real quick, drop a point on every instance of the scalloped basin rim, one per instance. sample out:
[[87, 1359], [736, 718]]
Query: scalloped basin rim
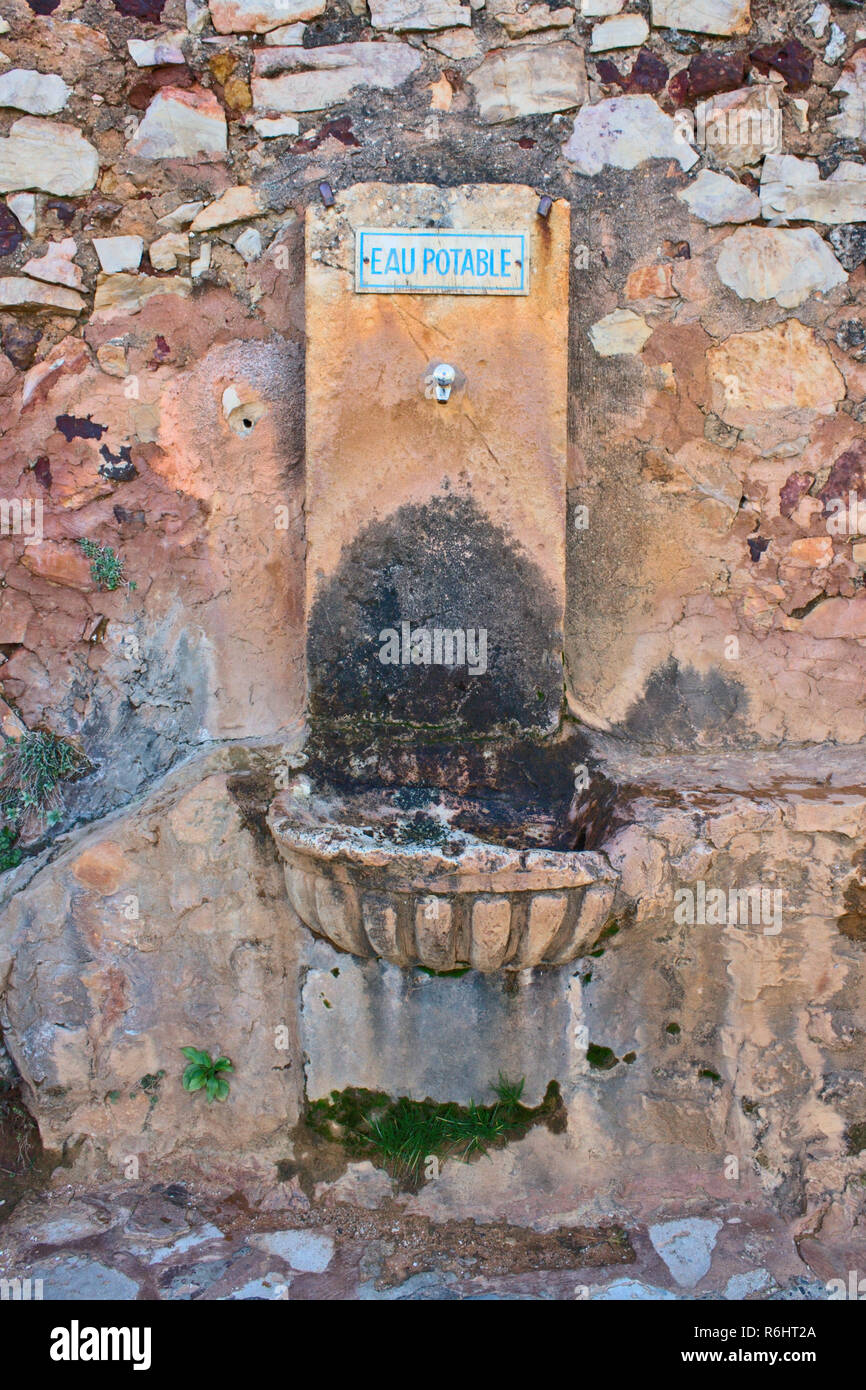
[[466, 901]]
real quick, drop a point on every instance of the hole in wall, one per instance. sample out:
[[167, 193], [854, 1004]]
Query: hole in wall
[[241, 410]]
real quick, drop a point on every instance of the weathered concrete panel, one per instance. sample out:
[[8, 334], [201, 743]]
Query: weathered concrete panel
[[443, 515], [411, 1034]]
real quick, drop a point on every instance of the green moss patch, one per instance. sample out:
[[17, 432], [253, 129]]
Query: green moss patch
[[601, 1058], [403, 1136], [856, 1137]]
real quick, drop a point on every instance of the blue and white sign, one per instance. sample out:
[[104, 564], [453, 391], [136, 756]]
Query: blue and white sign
[[440, 261]]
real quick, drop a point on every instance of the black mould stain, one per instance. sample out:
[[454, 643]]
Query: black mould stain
[[848, 474], [443, 565], [856, 1137], [141, 9], [42, 472], [119, 467], [334, 26], [516, 791], [72, 427], [252, 793], [124, 517], [601, 1058], [682, 709], [11, 232], [852, 923], [64, 212], [340, 129]]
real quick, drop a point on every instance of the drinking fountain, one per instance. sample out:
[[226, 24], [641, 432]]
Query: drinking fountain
[[427, 825]]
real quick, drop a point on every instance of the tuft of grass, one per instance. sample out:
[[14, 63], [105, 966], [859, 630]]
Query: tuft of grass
[[106, 566], [402, 1135], [508, 1093], [19, 1137], [31, 770]]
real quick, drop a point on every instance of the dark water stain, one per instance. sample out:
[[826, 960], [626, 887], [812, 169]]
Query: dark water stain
[[334, 26], [440, 565], [42, 471], [511, 790], [682, 709], [24, 1165], [852, 923]]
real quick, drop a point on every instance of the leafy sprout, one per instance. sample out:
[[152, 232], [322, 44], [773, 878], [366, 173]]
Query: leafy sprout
[[10, 854], [106, 566], [203, 1073]]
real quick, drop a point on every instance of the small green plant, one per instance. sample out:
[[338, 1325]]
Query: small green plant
[[31, 770], [203, 1073], [106, 566], [148, 1085], [10, 855]]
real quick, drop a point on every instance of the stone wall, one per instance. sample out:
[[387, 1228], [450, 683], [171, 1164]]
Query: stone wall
[[157, 159], [161, 929], [702, 1054], [715, 419]]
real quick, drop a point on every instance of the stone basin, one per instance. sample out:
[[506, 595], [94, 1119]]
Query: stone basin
[[412, 887]]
